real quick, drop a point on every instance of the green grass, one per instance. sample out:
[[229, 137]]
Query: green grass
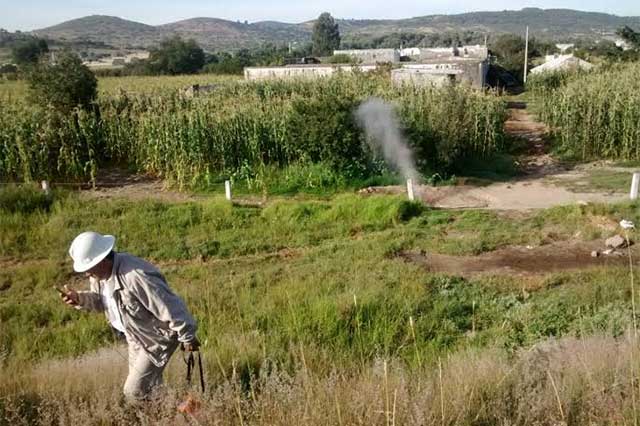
[[310, 294], [262, 279], [598, 181]]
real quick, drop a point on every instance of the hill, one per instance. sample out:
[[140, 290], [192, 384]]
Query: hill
[[218, 33], [213, 33], [108, 29]]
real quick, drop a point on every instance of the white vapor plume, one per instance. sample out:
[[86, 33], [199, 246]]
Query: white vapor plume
[[379, 121]]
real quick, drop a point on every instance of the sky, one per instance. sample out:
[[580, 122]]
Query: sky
[[26, 15]]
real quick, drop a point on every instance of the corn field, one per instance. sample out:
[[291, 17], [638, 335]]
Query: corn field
[[596, 115], [243, 129]]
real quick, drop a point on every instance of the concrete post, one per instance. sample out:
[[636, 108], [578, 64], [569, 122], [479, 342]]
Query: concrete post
[[635, 183], [227, 189], [410, 189], [45, 187]]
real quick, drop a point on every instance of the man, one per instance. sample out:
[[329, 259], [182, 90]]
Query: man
[[137, 302]]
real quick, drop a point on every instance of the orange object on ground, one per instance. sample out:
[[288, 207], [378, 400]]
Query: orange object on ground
[[189, 406]]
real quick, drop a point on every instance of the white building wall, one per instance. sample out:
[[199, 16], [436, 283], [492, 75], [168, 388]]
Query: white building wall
[[266, 73], [372, 56]]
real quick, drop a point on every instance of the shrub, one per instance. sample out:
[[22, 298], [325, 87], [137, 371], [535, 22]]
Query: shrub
[[64, 85]]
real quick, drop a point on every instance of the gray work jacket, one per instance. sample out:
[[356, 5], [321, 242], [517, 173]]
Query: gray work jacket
[[152, 315]]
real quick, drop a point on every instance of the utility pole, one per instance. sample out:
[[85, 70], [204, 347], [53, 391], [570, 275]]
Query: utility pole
[[526, 53]]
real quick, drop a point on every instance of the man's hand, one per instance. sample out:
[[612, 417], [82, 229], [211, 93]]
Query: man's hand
[[192, 346], [70, 296]]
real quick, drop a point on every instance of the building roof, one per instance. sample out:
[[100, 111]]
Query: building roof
[[562, 62]]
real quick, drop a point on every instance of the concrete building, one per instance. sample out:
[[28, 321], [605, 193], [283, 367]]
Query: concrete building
[[436, 66], [301, 71], [410, 52], [433, 53], [117, 61], [470, 71], [372, 56], [446, 65], [562, 63]]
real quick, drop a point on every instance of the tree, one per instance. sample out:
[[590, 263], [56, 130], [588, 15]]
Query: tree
[[509, 49], [64, 84], [630, 36], [176, 56], [326, 36], [28, 51]]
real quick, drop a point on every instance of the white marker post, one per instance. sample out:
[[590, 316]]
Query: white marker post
[[227, 189], [635, 182], [45, 187], [410, 189]]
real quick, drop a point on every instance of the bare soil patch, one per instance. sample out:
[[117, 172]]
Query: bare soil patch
[[520, 261], [117, 183], [520, 195]]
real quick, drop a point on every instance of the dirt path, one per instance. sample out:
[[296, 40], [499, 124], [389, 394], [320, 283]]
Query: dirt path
[[544, 182], [521, 261], [118, 183]]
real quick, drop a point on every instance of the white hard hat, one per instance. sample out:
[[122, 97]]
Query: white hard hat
[[89, 248]]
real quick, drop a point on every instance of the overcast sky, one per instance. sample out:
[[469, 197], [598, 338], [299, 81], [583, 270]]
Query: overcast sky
[[33, 14]]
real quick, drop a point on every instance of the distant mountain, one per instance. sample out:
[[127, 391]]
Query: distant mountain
[[111, 30], [214, 34], [543, 23], [218, 33]]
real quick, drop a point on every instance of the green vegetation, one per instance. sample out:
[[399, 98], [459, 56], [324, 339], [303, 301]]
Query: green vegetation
[[543, 83], [630, 36], [326, 35], [509, 50], [257, 262], [300, 297], [63, 85], [27, 52], [176, 56], [342, 59], [604, 51], [244, 131], [599, 181], [596, 115], [444, 38]]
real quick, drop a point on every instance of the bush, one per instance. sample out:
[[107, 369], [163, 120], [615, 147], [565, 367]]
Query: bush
[[176, 56], [27, 52], [24, 199], [342, 59], [64, 85]]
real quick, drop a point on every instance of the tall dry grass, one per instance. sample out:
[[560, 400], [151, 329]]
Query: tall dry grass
[[566, 382]]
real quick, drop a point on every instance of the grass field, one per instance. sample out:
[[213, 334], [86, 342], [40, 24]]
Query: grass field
[[308, 311]]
